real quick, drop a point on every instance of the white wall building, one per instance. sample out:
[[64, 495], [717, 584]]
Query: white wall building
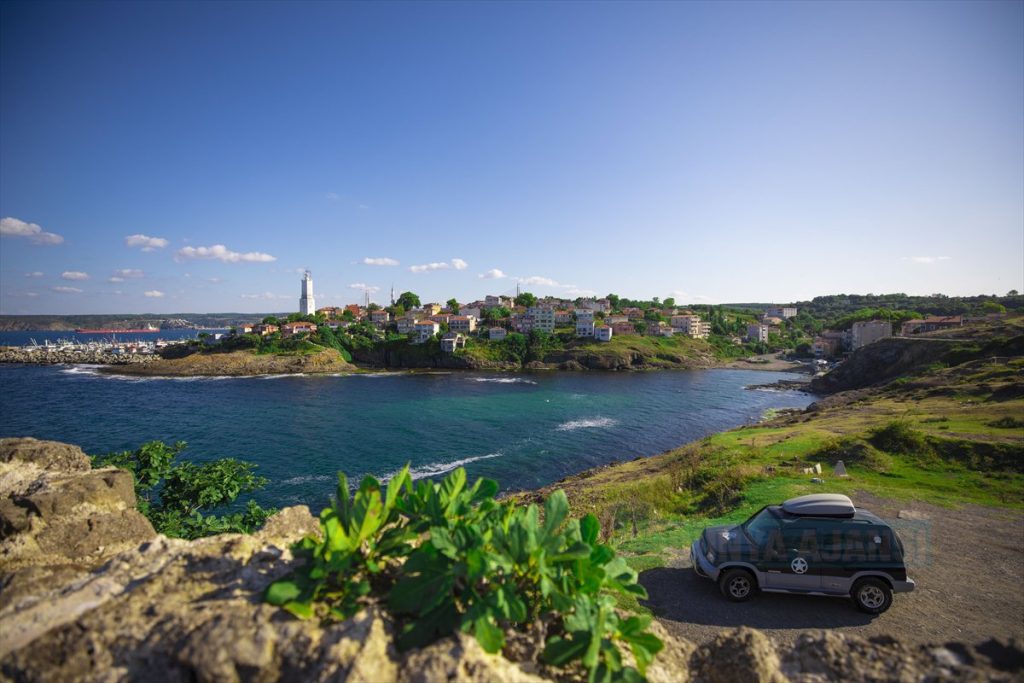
[[307, 305], [602, 333], [462, 323], [543, 318], [425, 329], [757, 333], [869, 331], [585, 328], [781, 312]]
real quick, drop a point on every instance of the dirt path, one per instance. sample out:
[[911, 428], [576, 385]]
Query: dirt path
[[968, 564]]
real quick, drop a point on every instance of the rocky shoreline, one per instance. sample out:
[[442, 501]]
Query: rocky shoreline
[[60, 357]]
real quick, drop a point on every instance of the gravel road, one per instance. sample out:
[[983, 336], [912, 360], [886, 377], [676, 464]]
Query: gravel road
[[968, 564]]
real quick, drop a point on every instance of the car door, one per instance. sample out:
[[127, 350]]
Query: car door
[[793, 563]]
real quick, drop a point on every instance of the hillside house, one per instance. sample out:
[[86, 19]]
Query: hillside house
[[263, 330], [380, 317], [496, 333], [866, 332], [292, 329], [585, 328], [757, 333], [543, 318], [462, 323], [623, 328], [451, 341], [603, 333], [931, 323], [425, 329], [784, 312]]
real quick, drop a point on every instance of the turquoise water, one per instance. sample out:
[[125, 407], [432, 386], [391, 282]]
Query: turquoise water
[[525, 430]]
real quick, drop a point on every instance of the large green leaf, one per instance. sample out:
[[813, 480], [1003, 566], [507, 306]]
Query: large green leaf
[[590, 528], [490, 637], [282, 591], [556, 509], [561, 651]]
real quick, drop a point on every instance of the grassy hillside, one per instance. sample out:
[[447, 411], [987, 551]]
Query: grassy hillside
[[946, 435]]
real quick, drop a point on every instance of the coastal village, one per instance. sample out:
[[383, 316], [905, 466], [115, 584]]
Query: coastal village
[[494, 317]]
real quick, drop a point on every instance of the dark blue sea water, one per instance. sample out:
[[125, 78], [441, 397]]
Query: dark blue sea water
[[525, 430]]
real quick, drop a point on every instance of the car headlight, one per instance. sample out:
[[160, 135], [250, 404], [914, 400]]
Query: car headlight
[[710, 554]]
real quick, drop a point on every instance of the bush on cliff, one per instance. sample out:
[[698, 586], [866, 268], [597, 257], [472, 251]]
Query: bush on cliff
[[177, 497], [449, 557]]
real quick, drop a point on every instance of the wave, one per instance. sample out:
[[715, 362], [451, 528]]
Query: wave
[[503, 380], [590, 423], [436, 469], [307, 478]]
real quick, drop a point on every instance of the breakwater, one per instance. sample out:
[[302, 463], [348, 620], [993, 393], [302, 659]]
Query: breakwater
[[45, 356]]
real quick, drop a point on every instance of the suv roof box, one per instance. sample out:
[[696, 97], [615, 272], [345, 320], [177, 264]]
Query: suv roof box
[[821, 505]]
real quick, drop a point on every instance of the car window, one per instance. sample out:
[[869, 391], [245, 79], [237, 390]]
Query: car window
[[761, 527]]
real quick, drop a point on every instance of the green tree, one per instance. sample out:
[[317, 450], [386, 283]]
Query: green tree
[[993, 307], [348, 315], [526, 299], [408, 301], [373, 307], [178, 497], [453, 306], [670, 302], [271, 320], [613, 299]]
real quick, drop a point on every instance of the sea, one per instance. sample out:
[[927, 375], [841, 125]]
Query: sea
[[524, 429]]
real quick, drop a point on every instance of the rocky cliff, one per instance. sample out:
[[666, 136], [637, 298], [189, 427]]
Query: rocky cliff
[[90, 593]]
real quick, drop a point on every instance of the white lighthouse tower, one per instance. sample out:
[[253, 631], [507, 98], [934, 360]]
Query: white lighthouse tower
[[307, 306]]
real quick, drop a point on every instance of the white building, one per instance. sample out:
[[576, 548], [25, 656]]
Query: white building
[[462, 323], [425, 329], [781, 312], [470, 310], [496, 301], [406, 324], [602, 333], [543, 318], [585, 328], [868, 332], [584, 315], [452, 341], [307, 306], [380, 317], [497, 333], [757, 333]]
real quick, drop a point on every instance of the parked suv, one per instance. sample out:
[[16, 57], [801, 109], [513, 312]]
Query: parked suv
[[816, 545]]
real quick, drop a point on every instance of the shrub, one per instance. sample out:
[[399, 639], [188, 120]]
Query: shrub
[[175, 496], [1007, 422], [900, 438], [448, 557], [853, 451]]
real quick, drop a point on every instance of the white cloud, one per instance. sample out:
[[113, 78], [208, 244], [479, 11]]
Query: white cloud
[[266, 295], [537, 280], [214, 280], [574, 291], [67, 290], [927, 259], [35, 273], [115, 278], [14, 227], [379, 261], [332, 196], [153, 293], [31, 293], [427, 267], [363, 206], [456, 263], [145, 242], [493, 274], [74, 275], [129, 272], [362, 287], [221, 253]]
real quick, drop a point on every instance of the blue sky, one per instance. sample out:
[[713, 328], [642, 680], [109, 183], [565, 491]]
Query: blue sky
[[159, 157]]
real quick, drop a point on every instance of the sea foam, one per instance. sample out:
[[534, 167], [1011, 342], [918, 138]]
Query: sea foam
[[589, 423]]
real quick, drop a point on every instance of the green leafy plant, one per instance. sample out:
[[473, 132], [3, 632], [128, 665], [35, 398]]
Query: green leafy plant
[[178, 497], [446, 556]]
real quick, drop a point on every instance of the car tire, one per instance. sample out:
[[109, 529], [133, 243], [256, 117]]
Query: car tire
[[737, 585], [872, 596]]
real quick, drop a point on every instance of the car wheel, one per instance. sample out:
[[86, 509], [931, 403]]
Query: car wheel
[[737, 585], [872, 596]]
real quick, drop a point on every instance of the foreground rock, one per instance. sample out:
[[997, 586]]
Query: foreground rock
[[173, 610], [240, 364]]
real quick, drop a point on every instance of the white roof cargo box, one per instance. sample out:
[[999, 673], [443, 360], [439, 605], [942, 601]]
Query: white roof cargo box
[[820, 505]]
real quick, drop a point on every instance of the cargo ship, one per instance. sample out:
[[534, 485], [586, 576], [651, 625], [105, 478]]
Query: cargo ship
[[109, 330]]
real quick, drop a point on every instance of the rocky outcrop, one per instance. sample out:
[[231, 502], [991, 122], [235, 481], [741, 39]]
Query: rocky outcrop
[[173, 610], [241, 364], [881, 362], [55, 511], [60, 357]]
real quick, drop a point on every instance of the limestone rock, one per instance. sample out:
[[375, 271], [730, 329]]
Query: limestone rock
[[47, 455], [741, 654]]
